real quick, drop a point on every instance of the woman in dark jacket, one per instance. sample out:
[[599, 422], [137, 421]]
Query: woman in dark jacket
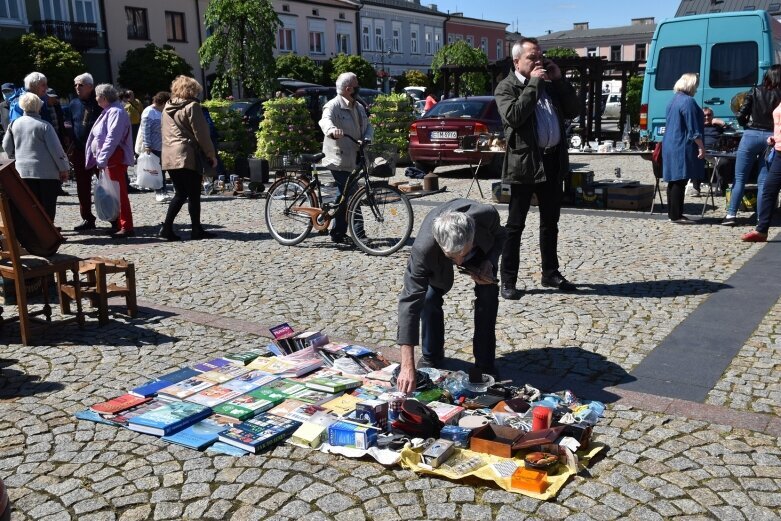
[[756, 116]]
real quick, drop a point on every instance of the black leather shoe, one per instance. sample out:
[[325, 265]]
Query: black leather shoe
[[510, 292], [168, 235], [492, 370], [197, 235], [557, 280], [84, 226], [425, 362]]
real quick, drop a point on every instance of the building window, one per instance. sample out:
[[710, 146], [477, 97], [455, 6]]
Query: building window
[[51, 10], [316, 36], [84, 11], [437, 39], [9, 10], [428, 37], [499, 49], [450, 39], [615, 53], [342, 16], [174, 27], [315, 12], [379, 35], [137, 26], [413, 38], [285, 8], [591, 52], [287, 39], [343, 43], [470, 40], [366, 36], [396, 33], [640, 51], [484, 45]]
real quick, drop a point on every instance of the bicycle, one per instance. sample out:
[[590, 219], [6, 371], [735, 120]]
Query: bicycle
[[379, 216]]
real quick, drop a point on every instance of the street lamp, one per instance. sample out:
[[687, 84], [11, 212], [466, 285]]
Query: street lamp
[[380, 56]]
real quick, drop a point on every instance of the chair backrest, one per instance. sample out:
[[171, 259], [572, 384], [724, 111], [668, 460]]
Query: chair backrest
[[9, 245]]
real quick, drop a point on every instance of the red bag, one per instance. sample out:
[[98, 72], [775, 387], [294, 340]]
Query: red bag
[[657, 155]]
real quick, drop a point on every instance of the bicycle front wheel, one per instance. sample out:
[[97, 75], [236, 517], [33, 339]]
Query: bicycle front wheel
[[285, 223], [380, 219]]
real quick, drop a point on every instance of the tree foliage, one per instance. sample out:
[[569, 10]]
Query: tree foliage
[[412, 77], [561, 52], [367, 76], [55, 59], [298, 67], [463, 54], [634, 88], [242, 42], [151, 69]]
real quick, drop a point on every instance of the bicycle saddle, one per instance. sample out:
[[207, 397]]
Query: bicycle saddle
[[312, 158]]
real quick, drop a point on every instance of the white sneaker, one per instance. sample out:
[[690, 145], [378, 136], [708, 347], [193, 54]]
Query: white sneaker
[[162, 198]]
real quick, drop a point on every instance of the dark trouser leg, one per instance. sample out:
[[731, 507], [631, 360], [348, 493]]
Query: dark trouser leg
[[83, 184], [179, 178], [194, 199], [770, 195], [340, 223], [432, 319], [676, 190], [46, 191], [520, 199], [484, 340], [549, 199]]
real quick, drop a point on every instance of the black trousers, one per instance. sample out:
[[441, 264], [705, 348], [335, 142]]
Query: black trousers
[[549, 196], [46, 190], [676, 191], [770, 195], [187, 188]]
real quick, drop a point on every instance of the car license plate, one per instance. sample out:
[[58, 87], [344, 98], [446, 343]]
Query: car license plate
[[444, 134]]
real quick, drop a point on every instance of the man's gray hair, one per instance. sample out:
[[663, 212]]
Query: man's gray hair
[[454, 231], [344, 80], [30, 102], [108, 91], [32, 80], [85, 78], [518, 50]]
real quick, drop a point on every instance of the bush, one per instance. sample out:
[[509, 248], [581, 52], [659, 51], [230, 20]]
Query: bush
[[391, 117], [298, 67], [233, 141], [287, 128]]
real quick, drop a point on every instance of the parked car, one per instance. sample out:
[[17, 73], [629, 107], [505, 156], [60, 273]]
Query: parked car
[[612, 106], [434, 137], [251, 110], [290, 85], [419, 107], [317, 97], [415, 92]]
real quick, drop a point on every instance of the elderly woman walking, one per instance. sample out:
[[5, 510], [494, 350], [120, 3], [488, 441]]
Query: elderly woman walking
[[40, 158], [186, 145], [110, 148]]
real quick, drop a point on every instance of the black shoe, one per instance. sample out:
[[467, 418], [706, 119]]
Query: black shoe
[[492, 370], [729, 221], [63, 193], [133, 190], [168, 235], [557, 280], [84, 226], [341, 239], [197, 234], [426, 362], [510, 292]]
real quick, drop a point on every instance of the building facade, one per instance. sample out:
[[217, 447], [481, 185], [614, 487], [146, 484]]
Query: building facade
[[626, 43], [690, 7], [319, 29], [483, 34]]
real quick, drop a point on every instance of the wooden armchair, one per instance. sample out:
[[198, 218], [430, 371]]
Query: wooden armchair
[[22, 269]]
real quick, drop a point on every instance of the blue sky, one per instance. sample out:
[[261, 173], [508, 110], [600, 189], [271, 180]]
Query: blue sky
[[558, 15]]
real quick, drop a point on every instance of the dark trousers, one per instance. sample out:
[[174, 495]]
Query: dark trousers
[[770, 195], [676, 191], [187, 188], [46, 191], [83, 183], [484, 339], [549, 200], [339, 228]]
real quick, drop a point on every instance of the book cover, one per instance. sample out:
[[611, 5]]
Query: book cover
[[304, 361], [123, 417], [245, 357], [260, 432], [169, 418], [310, 339], [185, 388], [120, 403], [358, 351], [313, 396], [211, 364], [309, 436], [372, 362], [287, 407], [305, 412], [250, 381], [341, 406], [202, 434], [250, 404], [333, 384], [273, 365], [223, 374], [214, 395], [152, 387], [283, 337], [285, 386]]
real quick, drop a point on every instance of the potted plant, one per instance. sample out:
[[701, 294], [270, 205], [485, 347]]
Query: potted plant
[[233, 142], [391, 116]]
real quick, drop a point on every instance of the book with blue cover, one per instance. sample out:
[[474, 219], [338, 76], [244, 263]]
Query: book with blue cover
[[260, 432], [152, 387], [169, 418], [211, 364], [250, 381], [202, 434]]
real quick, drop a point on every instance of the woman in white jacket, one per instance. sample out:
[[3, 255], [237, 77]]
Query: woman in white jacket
[[40, 159]]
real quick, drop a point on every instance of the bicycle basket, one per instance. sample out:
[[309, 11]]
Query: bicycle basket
[[287, 162], [381, 160]]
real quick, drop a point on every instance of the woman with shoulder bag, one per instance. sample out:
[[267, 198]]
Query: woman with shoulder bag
[[186, 146], [756, 116]]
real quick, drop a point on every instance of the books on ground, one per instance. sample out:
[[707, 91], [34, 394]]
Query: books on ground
[[260, 432], [169, 418], [152, 387], [211, 364], [223, 374], [120, 403], [250, 404], [333, 384], [342, 405], [185, 388], [202, 434], [309, 436], [245, 357]]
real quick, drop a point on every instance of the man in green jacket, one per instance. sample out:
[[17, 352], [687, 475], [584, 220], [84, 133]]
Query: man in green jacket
[[534, 100]]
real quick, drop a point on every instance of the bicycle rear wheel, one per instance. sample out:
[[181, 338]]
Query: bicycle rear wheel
[[380, 219], [286, 225]]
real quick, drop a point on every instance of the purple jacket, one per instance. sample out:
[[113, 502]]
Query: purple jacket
[[110, 132]]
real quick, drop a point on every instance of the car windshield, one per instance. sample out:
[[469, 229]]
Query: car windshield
[[241, 106], [457, 109]]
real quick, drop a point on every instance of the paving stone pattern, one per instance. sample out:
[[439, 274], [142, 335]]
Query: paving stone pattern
[[639, 277]]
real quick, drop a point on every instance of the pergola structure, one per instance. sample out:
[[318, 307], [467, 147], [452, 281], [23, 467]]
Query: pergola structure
[[588, 72]]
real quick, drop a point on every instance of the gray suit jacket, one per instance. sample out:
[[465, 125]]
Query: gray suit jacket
[[428, 265]]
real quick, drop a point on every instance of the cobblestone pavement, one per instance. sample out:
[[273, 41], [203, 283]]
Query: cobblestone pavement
[[639, 277]]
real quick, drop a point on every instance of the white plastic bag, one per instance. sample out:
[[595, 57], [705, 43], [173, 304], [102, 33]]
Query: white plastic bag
[[149, 172], [106, 198]]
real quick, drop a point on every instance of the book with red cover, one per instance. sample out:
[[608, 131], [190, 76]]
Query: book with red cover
[[120, 403]]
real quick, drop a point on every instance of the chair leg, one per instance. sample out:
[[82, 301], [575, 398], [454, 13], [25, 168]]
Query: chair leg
[[47, 308], [130, 298], [102, 290], [21, 303], [77, 294], [65, 302]]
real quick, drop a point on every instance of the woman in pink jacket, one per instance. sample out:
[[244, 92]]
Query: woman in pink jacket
[[110, 148], [771, 186]]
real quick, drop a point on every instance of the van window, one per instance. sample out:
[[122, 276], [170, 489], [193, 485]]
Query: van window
[[733, 64], [674, 62]]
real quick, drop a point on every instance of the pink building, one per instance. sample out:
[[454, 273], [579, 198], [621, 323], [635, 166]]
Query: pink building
[[483, 34]]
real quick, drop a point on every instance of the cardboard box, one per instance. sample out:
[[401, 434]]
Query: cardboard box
[[593, 197], [375, 412], [348, 434], [621, 196], [500, 192], [580, 178]]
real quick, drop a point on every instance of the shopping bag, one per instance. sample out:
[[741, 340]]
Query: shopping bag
[[149, 172], [106, 198]]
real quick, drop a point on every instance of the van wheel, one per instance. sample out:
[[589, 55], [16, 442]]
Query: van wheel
[[426, 166]]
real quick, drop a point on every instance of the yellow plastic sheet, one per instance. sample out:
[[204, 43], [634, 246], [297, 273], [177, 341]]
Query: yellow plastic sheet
[[411, 458]]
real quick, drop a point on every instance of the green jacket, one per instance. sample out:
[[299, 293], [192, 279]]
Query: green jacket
[[516, 103]]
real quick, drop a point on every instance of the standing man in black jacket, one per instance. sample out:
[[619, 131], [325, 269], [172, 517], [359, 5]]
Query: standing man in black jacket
[[533, 102], [84, 112]]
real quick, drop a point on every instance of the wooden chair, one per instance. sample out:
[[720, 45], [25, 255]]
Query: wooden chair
[[22, 268], [98, 290]]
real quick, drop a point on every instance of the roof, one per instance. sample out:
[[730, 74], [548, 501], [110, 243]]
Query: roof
[[689, 7], [469, 20], [404, 5], [579, 34]]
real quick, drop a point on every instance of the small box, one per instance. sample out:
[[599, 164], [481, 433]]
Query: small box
[[348, 434], [500, 192], [629, 196], [580, 432], [375, 412], [448, 414], [580, 178], [438, 452], [529, 479], [458, 435], [495, 439]]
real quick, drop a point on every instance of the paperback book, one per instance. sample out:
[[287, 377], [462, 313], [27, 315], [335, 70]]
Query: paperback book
[[121, 418], [248, 405], [185, 388], [211, 364], [169, 418], [214, 395], [314, 397], [260, 432], [152, 387], [202, 434], [341, 406], [283, 337], [245, 357], [333, 384], [120, 403], [250, 381], [286, 386], [222, 374]]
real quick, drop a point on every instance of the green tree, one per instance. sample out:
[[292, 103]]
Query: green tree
[[298, 67], [150, 69], [463, 54], [242, 41], [55, 59], [561, 52], [367, 76], [412, 77], [634, 88]]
